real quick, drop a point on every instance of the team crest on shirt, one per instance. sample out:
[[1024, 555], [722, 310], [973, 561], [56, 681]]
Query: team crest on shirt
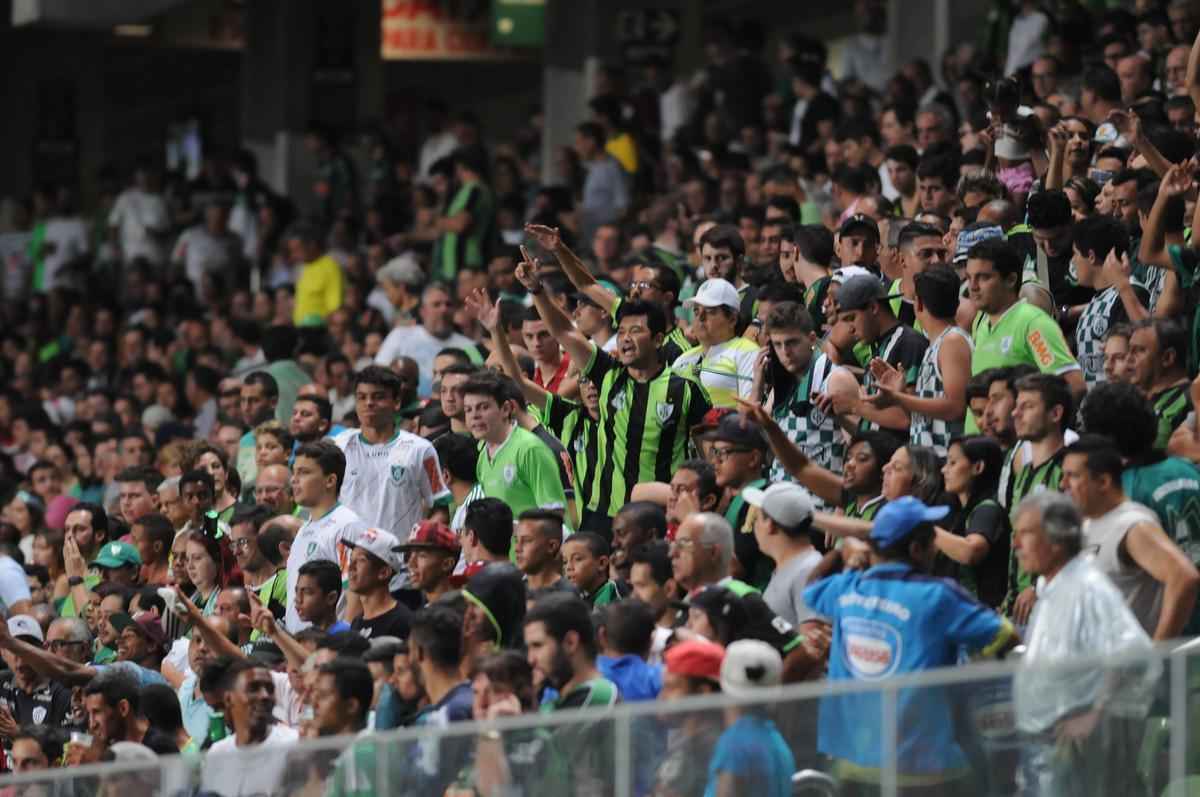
[[815, 416], [39, 715], [312, 548], [1006, 344], [398, 473], [510, 473], [618, 401], [578, 444], [664, 410]]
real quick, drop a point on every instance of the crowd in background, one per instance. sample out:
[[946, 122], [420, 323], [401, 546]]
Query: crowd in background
[[799, 370]]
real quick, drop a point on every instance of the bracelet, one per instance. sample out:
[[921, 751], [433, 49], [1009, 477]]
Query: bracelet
[[492, 736], [74, 581]]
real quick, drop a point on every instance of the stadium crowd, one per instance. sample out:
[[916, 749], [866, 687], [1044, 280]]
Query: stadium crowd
[[785, 378]]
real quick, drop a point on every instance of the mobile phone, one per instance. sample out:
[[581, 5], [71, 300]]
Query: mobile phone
[[170, 598]]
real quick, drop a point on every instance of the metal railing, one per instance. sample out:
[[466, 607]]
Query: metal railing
[[622, 751]]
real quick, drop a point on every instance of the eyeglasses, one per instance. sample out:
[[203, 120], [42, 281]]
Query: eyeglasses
[[242, 543], [723, 453], [643, 286], [685, 544], [55, 645]]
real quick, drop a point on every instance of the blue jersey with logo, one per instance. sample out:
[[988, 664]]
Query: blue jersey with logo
[[891, 620]]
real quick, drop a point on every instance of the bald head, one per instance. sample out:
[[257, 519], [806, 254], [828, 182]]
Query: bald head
[[273, 487], [1134, 73], [289, 523], [999, 211]]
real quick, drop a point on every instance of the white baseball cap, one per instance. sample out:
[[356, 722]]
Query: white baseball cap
[[844, 273], [716, 293], [378, 543], [786, 503], [750, 666], [22, 625]]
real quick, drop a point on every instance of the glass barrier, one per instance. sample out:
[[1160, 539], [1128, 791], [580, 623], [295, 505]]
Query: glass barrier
[[1097, 727]]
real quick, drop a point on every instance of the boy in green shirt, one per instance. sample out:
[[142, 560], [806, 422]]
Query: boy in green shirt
[[586, 556]]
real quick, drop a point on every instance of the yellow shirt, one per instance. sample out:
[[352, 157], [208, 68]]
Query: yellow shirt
[[622, 148], [319, 291]]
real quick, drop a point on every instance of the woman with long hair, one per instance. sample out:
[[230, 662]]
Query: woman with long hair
[[976, 546], [209, 566], [213, 460]]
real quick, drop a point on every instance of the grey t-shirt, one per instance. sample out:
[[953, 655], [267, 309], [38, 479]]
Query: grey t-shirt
[[1104, 536], [785, 591]]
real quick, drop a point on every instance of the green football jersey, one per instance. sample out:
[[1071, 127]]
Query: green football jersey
[[522, 473]]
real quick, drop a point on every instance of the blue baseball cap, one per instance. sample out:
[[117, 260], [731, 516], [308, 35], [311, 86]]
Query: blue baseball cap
[[898, 518]]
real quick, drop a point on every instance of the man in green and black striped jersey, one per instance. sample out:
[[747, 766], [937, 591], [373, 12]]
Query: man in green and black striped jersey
[[1040, 419], [646, 410], [653, 281], [1158, 362]]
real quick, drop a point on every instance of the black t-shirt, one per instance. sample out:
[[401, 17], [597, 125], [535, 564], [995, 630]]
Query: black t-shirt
[[49, 704], [394, 622], [988, 580], [821, 108]]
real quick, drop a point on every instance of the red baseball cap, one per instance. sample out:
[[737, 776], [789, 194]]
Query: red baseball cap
[[696, 659], [431, 534]]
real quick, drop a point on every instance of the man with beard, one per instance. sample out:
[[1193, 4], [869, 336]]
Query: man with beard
[[260, 396], [312, 418], [235, 765], [561, 648], [1043, 409]]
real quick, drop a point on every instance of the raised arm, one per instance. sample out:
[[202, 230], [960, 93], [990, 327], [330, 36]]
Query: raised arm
[[1153, 249], [578, 347], [1057, 137], [489, 317], [826, 484], [217, 642], [549, 239], [1193, 72], [46, 663], [1129, 124]]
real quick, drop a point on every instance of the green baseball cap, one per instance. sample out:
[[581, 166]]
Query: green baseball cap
[[118, 554]]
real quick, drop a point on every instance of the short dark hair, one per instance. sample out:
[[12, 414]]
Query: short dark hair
[[486, 384], [327, 574], [1120, 412], [458, 454], [115, 685], [380, 376], [938, 289], [550, 522], [790, 315], [197, 476], [562, 613], [49, 739], [943, 167], [1002, 254], [323, 405], [159, 704], [146, 475], [1053, 389], [630, 627], [1100, 455], [98, 515], [254, 514], [815, 243], [917, 229], [904, 153], [657, 556], [1048, 209], [268, 541], [593, 131], [353, 681], [597, 546], [655, 318], [706, 475], [158, 528], [269, 385], [1174, 211], [977, 385], [491, 520], [1103, 82], [725, 236], [1100, 234], [327, 455], [437, 629], [648, 516]]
